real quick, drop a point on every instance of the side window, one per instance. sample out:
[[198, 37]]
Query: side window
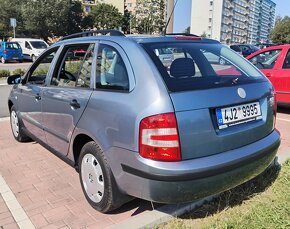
[[111, 72], [286, 64], [27, 45], [84, 77], [74, 67], [39, 73], [266, 60]]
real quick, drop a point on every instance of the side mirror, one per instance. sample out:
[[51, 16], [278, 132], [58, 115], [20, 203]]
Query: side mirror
[[14, 79]]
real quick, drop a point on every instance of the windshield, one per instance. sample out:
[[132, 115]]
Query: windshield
[[200, 66], [12, 45], [38, 44]]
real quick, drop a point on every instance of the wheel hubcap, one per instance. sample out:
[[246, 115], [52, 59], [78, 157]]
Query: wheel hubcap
[[14, 123], [92, 178]]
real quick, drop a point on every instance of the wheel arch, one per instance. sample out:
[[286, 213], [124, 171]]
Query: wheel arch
[[10, 104], [79, 141]]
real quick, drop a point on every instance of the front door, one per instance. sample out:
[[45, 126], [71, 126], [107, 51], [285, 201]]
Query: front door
[[65, 99], [31, 91]]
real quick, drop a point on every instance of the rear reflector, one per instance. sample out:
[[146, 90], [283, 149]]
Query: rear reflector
[[158, 138]]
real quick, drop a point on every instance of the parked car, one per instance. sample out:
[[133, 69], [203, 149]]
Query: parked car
[[10, 51], [165, 55], [248, 49], [274, 62], [31, 47], [236, 48], [134, 128]]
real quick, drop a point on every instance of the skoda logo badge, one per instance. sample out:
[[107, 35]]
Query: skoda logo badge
[[242, 93]]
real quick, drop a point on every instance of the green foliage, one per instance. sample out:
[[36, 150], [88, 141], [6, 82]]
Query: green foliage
[[73, 66], [10, 9], [42, 70], [126, 21], [19, 71], [149, 17], [281, 31], [4, 73], [43, 19], [106, 16], [262, 203]]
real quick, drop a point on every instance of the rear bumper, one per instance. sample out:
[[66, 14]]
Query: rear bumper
[[175, 182]]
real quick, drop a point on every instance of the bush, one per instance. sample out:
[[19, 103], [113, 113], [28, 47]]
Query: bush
[[19, 71], [4, 73]]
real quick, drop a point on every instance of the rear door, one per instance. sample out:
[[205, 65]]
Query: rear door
[[283, 77], [66, 98]]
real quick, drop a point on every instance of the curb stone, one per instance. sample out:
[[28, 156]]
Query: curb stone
[[161, 215]]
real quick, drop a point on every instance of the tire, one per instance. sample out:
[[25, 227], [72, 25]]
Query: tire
[[33, 58], [3, 61], [16, 126], [20, 61], [222, 61], [97, 181]]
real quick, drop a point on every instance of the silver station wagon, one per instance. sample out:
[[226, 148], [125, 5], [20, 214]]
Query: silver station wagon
[[135, 126]]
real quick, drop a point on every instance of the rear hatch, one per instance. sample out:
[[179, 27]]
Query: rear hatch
[[13, 51], [219, 106]]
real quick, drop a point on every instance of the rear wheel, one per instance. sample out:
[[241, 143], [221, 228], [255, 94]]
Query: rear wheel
[[16, 126], [97, 180], [3, 61]]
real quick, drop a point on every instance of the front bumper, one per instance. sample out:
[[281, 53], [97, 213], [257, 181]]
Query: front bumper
[[184, 181]]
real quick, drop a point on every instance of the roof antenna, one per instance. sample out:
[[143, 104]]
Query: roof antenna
[[164, 31]]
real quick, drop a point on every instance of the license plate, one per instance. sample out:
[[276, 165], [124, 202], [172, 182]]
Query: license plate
[[230, 116]]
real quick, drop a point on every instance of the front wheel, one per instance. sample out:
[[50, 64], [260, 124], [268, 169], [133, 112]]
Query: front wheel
[[33, 58], [97, 180], [16, 126]]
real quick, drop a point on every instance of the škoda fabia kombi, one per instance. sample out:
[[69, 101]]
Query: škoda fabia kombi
[[135, 124]]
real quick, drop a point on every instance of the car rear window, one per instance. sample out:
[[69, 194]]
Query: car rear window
[[12, 45], [201, 65]]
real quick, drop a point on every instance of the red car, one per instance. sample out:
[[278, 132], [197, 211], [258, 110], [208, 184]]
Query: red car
[[274, 62]]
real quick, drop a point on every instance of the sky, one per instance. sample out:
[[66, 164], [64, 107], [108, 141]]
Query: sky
[[183, 8]]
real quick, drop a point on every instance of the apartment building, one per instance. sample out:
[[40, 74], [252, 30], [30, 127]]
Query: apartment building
[[233, 21], [88, 4]]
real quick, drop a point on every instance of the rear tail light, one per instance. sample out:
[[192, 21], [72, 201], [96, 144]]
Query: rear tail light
[[5, 52], [158, 138]]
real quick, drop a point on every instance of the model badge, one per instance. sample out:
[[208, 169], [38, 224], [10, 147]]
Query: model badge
[[242, 93]]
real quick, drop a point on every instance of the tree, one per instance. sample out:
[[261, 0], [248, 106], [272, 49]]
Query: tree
[[126, 21], [46, 17], [281, 31], [150, 16], [106, 16], [11, 10]]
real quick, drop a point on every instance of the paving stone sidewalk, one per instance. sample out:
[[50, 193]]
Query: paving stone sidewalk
[[49, 190]]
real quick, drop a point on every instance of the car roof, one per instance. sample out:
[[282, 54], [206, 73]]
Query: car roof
[[118, 36]]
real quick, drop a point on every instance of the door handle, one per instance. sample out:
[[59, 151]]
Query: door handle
[[268, 74], [37, 97], [75, 104]]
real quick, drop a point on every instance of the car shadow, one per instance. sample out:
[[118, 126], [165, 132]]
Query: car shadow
[[284, 109], [237, 195], [139, 205]]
